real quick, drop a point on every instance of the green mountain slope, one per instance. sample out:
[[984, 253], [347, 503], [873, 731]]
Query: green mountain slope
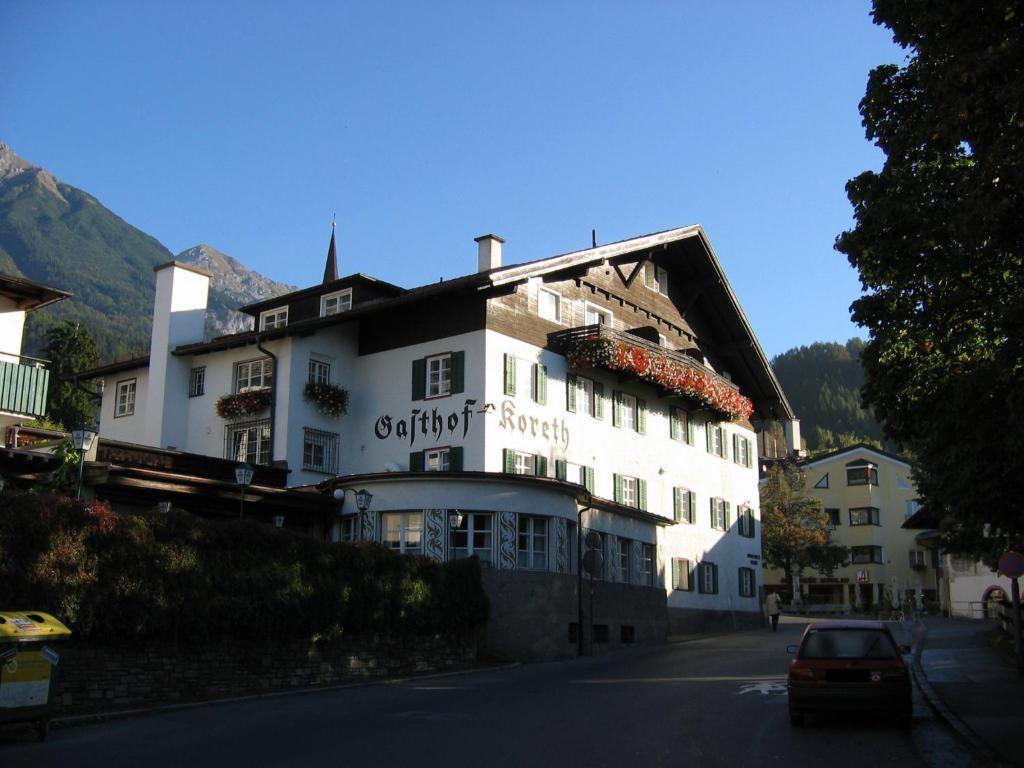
[[823, 383], [58, 235]]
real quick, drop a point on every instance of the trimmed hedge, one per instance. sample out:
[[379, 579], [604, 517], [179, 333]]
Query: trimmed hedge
[[120, 577]]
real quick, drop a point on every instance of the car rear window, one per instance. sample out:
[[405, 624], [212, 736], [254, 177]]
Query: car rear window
[[847, 644]]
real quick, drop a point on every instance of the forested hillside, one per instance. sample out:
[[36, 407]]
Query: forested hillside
[[822, 382]]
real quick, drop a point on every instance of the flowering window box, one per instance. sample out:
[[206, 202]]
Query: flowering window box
[[329, 399], [596, 347], [243, 403]]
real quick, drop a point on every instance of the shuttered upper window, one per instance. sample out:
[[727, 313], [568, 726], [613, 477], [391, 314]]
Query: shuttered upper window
[[438, 375]]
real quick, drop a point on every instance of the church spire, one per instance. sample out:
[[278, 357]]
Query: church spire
[[331, 270]]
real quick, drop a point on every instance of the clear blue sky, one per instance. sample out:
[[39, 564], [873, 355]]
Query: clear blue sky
[[247, 125]]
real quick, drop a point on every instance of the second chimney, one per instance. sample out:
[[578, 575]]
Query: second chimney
[[489, 255]]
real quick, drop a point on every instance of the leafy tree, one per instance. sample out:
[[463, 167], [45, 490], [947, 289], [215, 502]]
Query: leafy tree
[[70, 349], [939, 245], [794, 528]]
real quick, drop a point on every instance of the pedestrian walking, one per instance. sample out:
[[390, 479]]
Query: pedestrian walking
[[774, 605]]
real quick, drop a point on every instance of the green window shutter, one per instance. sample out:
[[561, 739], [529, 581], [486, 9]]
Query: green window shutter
[[560, 469], [676, 563], [725, 446], [641, 416], [416, 461], [673, 423], [714, 579], [677, 505], [641, 494], [598, 400], [617, 480], [540, 464], [455, 459], [570, 393], [688, 567], [735, 451], [713, 510], [508, 460], [708, 433], [750, 454], [588, 478], [691, 507], [616, 408], [728, 515], [540, 383], [419, 379], [510, 375], [458, 372], [689, 429]]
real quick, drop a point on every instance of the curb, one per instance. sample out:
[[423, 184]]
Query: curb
[[125, 714], [949, 718]]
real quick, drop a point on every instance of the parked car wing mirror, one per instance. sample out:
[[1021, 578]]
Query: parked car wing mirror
[[792, 649]]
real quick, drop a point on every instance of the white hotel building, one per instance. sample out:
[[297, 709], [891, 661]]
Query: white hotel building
[[620, 388]]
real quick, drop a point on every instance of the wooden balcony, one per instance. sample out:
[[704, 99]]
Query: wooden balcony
[[673, 372], [23, 386]]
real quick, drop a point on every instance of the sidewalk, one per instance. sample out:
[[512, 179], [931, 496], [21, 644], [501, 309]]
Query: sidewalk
[[972, 686]]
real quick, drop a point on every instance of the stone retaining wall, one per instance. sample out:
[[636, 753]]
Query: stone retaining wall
[[97, 679]]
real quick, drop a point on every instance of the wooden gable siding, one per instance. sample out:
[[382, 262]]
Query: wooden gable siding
[[418, 322]]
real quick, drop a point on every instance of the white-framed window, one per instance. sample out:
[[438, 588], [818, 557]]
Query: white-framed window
[[319, 371], [647, 565], [745, 522], [319, 451], [912, 506], [864, 516], [868, 554], [197, 381], [253, 374], [656, 278], [630, 491], [437, 459], [595, 315], [833, 518], [274, 318], [124, 403], [622, 557], [627, 411], [533, 543], [682, 574], [716, 439], [741, 453], [865, 474], [680, 427], [526, 463], [522, 463], [473, 538], [917, 558], [707, 578], [549, 305], [335, 303], [403, 531], [439, 376], [629, 488], [683, 505], [248, 441], [584, 396], [720, 514], [747, 584], [822, 481]]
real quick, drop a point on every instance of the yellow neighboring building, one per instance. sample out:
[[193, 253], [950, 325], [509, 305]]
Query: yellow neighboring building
[[868, 494]]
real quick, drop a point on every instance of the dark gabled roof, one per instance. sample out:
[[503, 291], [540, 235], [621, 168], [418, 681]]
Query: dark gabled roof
[[131, 364], [30, 295], [321, 288], [858, 447]]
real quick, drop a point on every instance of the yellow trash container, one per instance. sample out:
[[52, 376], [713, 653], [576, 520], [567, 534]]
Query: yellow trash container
[[28, 667]]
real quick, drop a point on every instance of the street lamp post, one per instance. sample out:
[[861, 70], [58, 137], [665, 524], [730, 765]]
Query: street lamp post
[[82, 438], [243, 477], [363, 499]]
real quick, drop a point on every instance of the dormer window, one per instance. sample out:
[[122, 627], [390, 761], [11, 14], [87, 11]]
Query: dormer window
[[274, 318], [335, 303]]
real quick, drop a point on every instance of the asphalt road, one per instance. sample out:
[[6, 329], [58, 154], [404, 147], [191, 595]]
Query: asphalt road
[[712, 702]]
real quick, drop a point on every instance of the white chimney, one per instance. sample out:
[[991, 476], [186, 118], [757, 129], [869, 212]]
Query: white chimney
[[793, 441], [489, 255], [179, 312]]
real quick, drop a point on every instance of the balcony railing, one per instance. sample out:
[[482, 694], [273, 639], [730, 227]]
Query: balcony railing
[[23, 386], [674, 373]]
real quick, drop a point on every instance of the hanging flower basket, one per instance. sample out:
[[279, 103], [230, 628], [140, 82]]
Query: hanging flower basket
[[683, 380], [243, 403], [330, 399]]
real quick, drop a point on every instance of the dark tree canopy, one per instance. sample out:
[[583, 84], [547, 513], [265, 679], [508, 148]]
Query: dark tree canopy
[[939, 245], [70, 349]]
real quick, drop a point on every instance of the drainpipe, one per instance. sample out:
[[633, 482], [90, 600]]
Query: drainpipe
[[273, 397], [579, 575]]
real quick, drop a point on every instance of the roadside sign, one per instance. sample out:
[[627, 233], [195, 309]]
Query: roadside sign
[[862, 577], [1011, 564]]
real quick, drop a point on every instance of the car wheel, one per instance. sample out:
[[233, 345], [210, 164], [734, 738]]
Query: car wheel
[[796, 718]]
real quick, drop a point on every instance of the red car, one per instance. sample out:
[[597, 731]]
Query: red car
[[849, 665]]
